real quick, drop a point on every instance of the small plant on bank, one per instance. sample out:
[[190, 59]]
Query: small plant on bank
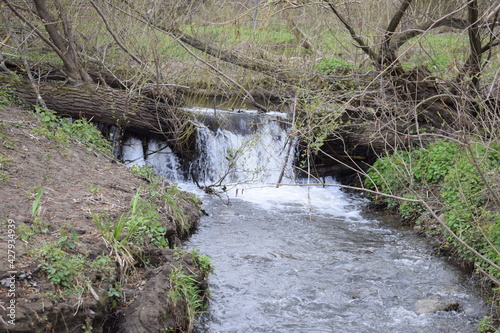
[[62, 269], [70, 270], [186, 288], [6, 98], [68, 241], [203, 262], [66, 130], [145, 172], [115, 295], [37, 226], [131, 233], [4, 160]]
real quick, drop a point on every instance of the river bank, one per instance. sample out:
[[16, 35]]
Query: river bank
[[66, 265]]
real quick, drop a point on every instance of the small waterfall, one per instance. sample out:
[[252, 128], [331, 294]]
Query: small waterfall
[[163, 160], [227, 156], [233, 148], [300, 258], [133, 152]]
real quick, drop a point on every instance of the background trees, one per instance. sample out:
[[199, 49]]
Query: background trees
[[366, 78]]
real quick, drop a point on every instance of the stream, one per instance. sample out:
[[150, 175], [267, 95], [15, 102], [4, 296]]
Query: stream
[[289, 267], [303, 258]]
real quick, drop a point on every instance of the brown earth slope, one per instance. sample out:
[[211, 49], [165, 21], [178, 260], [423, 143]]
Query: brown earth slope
[[77, 183]]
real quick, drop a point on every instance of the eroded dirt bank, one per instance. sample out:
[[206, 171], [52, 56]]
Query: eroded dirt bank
[[64, 265]]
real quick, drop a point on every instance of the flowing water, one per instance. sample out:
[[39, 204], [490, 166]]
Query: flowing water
[[305, 258]]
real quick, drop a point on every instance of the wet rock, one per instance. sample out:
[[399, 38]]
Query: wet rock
[[435, 303]]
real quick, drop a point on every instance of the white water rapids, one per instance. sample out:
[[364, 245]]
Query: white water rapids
[[303, 259]]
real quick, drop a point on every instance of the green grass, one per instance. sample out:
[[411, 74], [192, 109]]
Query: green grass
[[186, 287], [440, 53]]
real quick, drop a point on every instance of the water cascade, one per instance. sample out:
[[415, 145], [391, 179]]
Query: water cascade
[[234, 148], [304, 259]]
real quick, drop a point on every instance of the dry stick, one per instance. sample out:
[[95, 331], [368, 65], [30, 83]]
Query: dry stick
[[290, 143], [39, 98], [488, 275], [27, 67]]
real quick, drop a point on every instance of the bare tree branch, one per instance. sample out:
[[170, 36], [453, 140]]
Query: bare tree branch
[[388, 56], [63, 43], [361, 43], [442, 22], [115, 37]]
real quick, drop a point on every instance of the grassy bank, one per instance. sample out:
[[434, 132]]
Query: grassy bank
[[450, 191], [82, 234]]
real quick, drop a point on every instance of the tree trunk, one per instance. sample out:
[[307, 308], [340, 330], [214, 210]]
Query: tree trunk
[[130, 112]]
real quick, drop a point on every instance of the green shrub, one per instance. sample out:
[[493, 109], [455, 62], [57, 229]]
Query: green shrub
[[72, 271], [410, 211], [467, 205], [433, 163], [62, 268], [333, 65], [391, 175], [462, 178]]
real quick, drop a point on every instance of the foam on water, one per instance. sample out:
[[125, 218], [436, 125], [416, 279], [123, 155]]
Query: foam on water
[[314, 198]]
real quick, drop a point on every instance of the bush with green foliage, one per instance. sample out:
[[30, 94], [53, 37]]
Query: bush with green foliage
[[432, 163], [463, 182], [71, 270], [390, 174]]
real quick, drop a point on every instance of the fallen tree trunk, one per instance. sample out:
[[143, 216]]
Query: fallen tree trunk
[[130, 112]]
